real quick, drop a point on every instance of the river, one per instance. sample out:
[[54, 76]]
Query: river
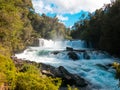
[[96, 69]]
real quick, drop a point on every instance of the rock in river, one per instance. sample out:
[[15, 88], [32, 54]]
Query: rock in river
[[73, 55]]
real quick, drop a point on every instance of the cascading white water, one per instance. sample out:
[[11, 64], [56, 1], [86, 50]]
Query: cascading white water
[[94, 69], [78, 44]]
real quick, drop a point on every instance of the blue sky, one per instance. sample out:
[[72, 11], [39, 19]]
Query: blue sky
[[67, 11]]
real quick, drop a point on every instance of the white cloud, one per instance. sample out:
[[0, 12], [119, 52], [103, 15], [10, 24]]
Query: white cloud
[[49, 8], [62, 18], [38, 6], [67, 6]]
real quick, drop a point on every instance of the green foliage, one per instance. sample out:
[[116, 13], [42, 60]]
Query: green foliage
[[27, 77], [111, 29], [15, 26], [7, 71], [2, 78], [30, 78], [27, 81], [117, 67], [47, 27], [19, 27], [101, 28], [72, 88], [29, 69]]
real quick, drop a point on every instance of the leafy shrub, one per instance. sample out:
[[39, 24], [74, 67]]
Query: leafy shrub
[[71, 88], [7, 71], [117, 67], [30, 78]]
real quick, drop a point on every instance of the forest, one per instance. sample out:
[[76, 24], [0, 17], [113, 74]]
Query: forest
[[20, 27], [101, 28]]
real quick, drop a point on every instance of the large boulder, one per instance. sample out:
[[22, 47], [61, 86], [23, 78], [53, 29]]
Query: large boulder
[[55, 52], [71, 79], [45, 69], [69, 49], [61, 72], [73, 55]]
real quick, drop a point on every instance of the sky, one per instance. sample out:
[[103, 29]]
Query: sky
[[67, 11]]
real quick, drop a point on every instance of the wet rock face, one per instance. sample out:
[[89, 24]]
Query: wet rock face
[[71, 79], [55, 52], [73, 55], [61, 72], [69, 49]]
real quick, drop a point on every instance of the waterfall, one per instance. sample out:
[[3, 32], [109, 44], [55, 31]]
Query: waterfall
[[46, 43], [78, 44]]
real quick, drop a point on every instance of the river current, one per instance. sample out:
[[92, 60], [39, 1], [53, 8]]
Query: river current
[[96, 69]]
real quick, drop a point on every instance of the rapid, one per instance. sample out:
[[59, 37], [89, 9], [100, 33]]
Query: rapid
[[96, 69]]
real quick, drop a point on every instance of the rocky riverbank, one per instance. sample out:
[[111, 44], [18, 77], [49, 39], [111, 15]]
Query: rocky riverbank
[[59, 72]]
